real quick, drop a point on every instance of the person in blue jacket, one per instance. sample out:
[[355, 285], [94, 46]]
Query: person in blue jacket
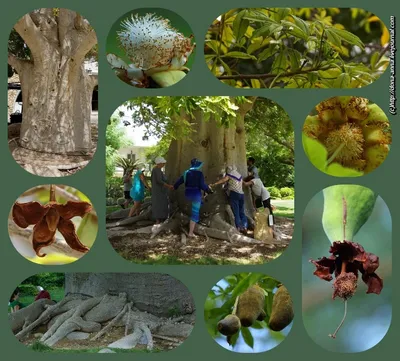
[[193, 179]]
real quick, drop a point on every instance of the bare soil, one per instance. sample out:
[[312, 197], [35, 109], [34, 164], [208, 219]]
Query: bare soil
[[140, 248]]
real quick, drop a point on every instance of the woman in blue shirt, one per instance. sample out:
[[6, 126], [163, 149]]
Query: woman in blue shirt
[[137, 192], [193, 179]]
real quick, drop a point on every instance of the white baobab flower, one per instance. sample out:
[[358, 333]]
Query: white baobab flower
[[154, 47]]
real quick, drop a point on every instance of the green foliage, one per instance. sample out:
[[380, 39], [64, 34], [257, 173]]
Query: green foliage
[[126, 163], [47, 280], [174, 312], [274, 192], [287, 192], [221, 299], [28, 290], [114, 187], [115, 139], [158, 150], [173, 115], [296, 48], [270, 140]]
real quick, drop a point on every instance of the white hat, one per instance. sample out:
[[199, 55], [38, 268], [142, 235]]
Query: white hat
[[39, 288], [160, 160]]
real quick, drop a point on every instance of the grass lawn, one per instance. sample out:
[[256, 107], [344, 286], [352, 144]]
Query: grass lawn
[[284, 212]]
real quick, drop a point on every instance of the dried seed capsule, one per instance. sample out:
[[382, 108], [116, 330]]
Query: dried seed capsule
[[282, 310], [251, 306], [229, 325]]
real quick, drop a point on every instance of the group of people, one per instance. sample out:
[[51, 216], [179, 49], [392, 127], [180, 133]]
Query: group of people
[[195, 186], [15, 304]]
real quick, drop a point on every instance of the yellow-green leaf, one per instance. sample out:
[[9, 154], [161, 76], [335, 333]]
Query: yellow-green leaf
[[238, 55]]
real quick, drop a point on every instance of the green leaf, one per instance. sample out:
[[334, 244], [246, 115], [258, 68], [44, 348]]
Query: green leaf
[[342, 81], [233, 339], [280, 63], [247, 336], [240, 25], [267, 53], [333, 37], [294, 57], [302, 25], [213, 44], [315, 151], [374, 59], [282, 13], [348, 37], [267, 30], [338, 170], [239, 55], [255, 45], [295, 30], [257, 16], [360, 202]]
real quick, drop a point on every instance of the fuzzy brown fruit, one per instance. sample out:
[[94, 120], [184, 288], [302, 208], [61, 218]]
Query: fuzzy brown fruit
[[229, 325], [282, 310], [251, 306]]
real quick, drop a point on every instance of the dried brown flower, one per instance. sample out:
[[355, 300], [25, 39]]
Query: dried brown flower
[[47, 219], [347, 259]]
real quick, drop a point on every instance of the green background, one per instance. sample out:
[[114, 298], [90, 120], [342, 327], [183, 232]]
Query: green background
[[199, 279]]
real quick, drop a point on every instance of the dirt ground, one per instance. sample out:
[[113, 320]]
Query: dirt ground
[[115, 334], [168, 246]]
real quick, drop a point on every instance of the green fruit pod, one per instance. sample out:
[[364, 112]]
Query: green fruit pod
[[346, 208]]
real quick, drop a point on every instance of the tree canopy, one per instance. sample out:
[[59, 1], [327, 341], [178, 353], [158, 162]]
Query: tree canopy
[[270, 137]]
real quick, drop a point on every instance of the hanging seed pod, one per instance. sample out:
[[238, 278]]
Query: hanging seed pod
[[282, 310], [229, 325], [251, 306]]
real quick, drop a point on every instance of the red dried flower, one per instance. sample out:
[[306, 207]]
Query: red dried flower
[[347, 259], [47, 219]]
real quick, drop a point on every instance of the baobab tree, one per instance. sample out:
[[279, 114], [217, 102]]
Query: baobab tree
[[56, 89]]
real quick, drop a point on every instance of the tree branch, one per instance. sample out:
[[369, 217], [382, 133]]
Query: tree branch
[[281, 142], [286, 161], [17, 63], [87, 43], [32, 36], [270, 76]]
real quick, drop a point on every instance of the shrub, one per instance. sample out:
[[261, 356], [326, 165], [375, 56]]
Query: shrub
[[287, 192], [274, 192], [110, 201], [114, 187], [28, 290]]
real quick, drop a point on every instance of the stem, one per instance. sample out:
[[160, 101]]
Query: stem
[[52, 193], [344, 217], [341, 322], [335, 153], [235, 306]]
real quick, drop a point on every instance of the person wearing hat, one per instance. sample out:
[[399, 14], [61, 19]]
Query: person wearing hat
[[139, 183], [159, 194], [236, 196], [42, 293], [193, 179]]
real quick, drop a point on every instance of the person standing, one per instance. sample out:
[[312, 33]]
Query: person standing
[[42, 293], [193, 179], [159, 194], [14, 303], [236, 196], [261, 195], [137, 191], [127, 187], [251, 167]]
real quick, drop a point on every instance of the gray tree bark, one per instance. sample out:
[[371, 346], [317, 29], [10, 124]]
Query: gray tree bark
[[56, 90]]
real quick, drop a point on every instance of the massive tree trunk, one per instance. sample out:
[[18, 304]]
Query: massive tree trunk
[[56, 89], [217, 146]]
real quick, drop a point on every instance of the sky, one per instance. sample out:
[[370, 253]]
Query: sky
[[135, 134]]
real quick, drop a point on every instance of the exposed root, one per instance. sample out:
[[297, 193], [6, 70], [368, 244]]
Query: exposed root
[[145, 215]]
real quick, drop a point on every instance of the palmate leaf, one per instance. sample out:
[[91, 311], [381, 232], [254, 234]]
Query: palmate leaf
[[267, 30], [348, 37], [240, 25], [342, 81]]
